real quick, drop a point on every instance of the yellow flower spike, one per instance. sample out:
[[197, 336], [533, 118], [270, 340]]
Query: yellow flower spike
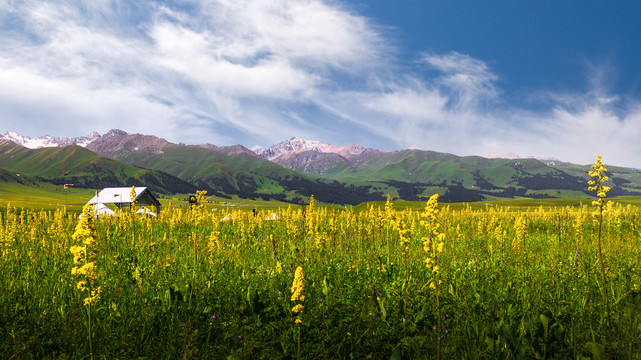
[[434, 243], [298, 286], [429, 262], [84, 256], [598, 178], [132, 197]]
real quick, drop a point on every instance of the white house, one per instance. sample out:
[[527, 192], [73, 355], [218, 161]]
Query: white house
[[120, 197]]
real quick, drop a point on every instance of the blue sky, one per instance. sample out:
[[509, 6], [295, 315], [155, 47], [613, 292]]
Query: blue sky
[[544, 79]]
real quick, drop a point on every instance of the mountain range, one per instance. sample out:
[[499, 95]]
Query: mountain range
[[48, 141], [294, 169]]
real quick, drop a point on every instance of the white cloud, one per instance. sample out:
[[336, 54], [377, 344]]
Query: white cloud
[[208, 60], [223, 72], [470, 79], [309, 33], [191, 54]]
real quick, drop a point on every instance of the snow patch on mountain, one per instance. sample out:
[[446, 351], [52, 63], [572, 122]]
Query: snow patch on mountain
[[48, 141], [509, 155], [297, 145]]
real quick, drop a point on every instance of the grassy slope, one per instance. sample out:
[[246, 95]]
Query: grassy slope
[[194, 161], [491, 177], [84, 168], [42, 195], [45, 196], [241, 174], [436, 168]]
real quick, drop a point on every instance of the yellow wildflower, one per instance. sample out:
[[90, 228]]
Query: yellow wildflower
[[428, 262], [132, 197], [95, 295], [299, 285], [78, 254], [598, 178], [298, 288], [84, 256]]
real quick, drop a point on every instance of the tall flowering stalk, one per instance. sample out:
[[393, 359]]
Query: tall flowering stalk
[[298, 295], [84, 258], [132, 209], [389, 224], [520, 228], [298, 290], [404, 243], [433, 245], [200, 208], [596, 184]]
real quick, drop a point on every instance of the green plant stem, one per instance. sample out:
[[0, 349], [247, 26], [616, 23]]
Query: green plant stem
[[605, 284], [298, 352], [438, 312], [90, 337]]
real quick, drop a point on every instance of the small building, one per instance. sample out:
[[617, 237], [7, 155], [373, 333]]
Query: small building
[[120, 197]]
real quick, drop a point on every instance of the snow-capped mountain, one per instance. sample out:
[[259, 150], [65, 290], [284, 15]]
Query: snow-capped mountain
[[48, 141], [297, 145]]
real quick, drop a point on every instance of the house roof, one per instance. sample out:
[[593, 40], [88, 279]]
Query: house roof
[[120, 197]]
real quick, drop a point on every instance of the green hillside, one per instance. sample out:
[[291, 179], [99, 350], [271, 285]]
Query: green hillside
[[407, 174], [83, 168], [243, 175], [7, 176], [414, 174]]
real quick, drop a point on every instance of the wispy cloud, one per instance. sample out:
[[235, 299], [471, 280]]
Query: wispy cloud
[[252, 72], [469, 79]]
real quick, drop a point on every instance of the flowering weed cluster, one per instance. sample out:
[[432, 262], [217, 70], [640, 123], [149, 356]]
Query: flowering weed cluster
[[85, 255], [298, 296]]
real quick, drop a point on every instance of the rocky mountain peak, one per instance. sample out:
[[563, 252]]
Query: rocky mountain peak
[[288, 148], [115, 141]]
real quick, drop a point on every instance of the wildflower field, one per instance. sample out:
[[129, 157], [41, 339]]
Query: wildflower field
[[323, 282]]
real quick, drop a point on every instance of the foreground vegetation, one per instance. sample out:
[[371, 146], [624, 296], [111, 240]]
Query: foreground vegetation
[[202, 284]]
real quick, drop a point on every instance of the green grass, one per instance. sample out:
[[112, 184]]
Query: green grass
[[170, 291], [43, 196], [523, 204], [48, 197]]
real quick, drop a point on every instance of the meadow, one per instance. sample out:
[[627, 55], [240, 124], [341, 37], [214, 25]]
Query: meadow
[[382, 280]]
